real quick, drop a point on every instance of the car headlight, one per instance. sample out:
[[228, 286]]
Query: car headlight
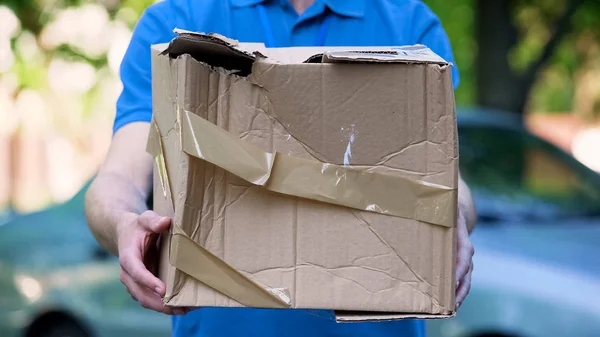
[[28, 287]]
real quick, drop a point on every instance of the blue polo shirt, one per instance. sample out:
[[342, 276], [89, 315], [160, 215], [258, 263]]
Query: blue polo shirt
[[276, 23]]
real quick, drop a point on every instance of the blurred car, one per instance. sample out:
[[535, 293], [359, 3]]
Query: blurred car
[[56, 281], [537, 271], [6, 214], [537, 242]]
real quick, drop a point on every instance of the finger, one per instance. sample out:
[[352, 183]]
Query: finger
[[131, 263], [143, 295], [464, 257], [149, 299], [146, 297], [151, 221], [464, 288]]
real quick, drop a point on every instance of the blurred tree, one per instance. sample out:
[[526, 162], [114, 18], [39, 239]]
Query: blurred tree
[[28, 11], [458, 20], [520, 55], [510, 52], [501, 84]]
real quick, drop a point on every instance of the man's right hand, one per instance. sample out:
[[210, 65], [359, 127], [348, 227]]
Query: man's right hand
[[137, 234], [115, 205]]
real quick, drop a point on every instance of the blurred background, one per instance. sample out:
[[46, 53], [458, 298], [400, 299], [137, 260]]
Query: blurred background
[[529, 93]]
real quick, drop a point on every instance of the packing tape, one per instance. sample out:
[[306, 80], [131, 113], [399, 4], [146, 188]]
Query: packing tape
[[357, 187], [194, 260], [155, 148]]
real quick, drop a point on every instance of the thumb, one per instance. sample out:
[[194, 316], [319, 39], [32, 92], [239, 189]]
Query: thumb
[[153, 222]]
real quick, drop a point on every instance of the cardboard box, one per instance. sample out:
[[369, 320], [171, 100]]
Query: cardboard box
[[318, 178]]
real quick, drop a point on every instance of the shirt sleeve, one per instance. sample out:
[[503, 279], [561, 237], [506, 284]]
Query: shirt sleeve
[[135, 102], [428, 31]]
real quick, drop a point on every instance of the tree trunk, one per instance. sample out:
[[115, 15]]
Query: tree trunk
[[495, 35], [498, 86]]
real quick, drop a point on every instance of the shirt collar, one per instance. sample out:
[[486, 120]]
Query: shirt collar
[[351, 8]]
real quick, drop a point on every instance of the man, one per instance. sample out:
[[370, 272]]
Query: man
[[115, 204]]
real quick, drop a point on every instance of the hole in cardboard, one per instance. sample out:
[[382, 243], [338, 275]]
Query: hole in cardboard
[[212, 51], [318, 58]]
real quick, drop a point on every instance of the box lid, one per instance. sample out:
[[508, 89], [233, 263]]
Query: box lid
[[223, 52]]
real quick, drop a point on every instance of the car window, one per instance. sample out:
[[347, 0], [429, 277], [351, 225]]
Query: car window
[[60, 237], [514, 175]]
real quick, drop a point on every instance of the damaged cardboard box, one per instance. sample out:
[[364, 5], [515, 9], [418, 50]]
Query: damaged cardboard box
[[317, 178]]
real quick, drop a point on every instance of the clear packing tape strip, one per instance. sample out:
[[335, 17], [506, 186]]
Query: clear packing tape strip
[[351, 186], [194, 260], [357, 187]]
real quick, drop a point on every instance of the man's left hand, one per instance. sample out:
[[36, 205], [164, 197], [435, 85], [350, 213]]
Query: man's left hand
[[464, 263]]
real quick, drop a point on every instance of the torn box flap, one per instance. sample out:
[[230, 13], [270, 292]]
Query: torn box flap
[[406, 54], [214, 50]]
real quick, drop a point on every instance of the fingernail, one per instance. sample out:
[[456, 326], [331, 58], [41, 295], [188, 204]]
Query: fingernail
[[457, 305], [157, 291], [457, 283]]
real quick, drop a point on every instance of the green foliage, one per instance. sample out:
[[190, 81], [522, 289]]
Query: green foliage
[[556, 86], [535, 23], [69, 53], [30, 74], [457, 17], [137, 5]]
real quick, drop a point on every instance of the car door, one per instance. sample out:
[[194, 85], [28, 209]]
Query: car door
[[535, 241]]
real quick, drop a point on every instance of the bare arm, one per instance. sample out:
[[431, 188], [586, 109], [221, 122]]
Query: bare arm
[[122, 185], [116, 212], [466, 204], [466, 223]]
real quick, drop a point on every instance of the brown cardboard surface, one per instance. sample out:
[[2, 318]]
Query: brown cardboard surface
[[395, 118]]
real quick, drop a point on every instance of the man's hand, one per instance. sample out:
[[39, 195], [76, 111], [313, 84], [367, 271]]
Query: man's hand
[[117, 216], [464, 263], [137, 234], [464, 258]]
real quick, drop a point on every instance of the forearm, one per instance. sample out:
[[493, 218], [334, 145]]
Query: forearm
[[466, 204], [122, 186], [111, 198]]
